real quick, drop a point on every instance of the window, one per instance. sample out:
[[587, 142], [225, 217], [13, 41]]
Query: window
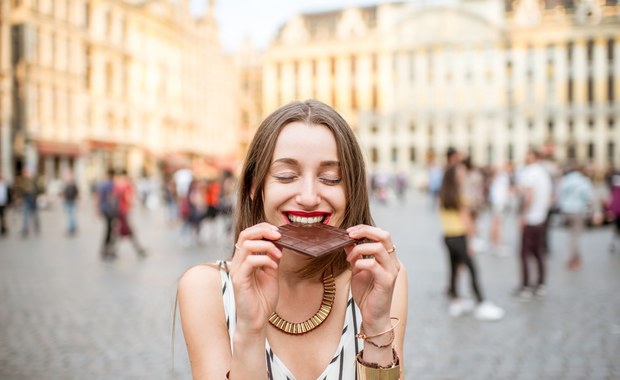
[[590, 151], [610, 87], [571, 151], [87, 14], [590, 50], [394, 154], [412, 156], [550, 126], [109, 80], [374, 155]]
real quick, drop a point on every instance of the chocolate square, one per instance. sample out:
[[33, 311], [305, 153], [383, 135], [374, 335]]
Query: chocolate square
[[313, 239]]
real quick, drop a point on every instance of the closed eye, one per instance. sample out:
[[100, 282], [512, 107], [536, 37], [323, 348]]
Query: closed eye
[[331, 181], [285, 178]]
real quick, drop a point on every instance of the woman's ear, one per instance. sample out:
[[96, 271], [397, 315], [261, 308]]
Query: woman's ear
[[252, 189]]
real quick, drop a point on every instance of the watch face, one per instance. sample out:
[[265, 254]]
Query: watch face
[[313, 239]]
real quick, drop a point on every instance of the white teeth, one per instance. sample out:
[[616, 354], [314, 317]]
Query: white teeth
[[305, 220]]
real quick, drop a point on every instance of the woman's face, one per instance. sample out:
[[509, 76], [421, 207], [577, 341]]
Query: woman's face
[[304, 183]]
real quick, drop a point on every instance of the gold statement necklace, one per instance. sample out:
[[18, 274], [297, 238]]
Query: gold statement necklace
[[298, 328]]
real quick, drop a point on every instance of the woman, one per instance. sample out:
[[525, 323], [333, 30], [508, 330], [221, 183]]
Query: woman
[[457, 229], [304, 164]]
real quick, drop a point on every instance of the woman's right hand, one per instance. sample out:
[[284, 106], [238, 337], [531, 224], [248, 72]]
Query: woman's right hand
[[254, 276]]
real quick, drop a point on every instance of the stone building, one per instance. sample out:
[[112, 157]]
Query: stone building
[[488, 78], [6, 76], [114, 83]]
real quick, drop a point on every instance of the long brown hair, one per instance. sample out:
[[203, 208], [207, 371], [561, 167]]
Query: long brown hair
[[450, 192], [250, 205]]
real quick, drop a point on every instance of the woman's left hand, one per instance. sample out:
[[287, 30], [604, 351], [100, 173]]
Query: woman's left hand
[[375, 269]]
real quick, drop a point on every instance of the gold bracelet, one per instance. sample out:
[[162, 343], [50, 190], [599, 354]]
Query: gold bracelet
[[388, 344], [373, 371], [362, 335]]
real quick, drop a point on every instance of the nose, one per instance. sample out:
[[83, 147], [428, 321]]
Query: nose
[[308, 195]]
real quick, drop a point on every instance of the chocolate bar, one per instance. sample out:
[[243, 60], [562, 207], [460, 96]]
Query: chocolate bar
[[313, 239]]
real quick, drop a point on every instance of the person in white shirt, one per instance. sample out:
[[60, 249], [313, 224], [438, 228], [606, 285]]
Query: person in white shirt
[[535, 190]]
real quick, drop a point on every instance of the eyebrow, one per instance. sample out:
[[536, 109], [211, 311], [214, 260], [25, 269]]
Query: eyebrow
[[290, 161]]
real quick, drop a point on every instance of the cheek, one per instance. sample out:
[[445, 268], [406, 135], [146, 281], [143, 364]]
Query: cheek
[[337, 198]]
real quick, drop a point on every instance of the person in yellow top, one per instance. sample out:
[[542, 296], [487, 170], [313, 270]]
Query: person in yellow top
[[457, 229]]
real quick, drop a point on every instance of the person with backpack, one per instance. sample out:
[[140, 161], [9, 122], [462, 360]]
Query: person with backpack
[[70, 195], [107, 206]]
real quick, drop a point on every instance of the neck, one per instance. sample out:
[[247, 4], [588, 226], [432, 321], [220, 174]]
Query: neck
[[290, 265]]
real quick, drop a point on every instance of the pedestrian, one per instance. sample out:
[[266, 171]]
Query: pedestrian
[[124, 192], [70, 195], [197, 208], [613, 207], [474, 197], [535, 191], [182, 179], [552, 168], [169, 191], [27, 190], [499, 197], [107, 206], [401, 186], [457, 226], [575, 199], [435, 176], [5, 201], [240, 317]]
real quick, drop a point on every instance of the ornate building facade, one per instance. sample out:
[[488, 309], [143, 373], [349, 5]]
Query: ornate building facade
[[123, 83], [5, 86], [491, 79]]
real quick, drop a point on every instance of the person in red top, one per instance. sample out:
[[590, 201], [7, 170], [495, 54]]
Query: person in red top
[[123, 190]]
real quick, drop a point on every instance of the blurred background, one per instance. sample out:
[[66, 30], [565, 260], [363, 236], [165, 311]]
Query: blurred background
[[149, 86], [168, 94]]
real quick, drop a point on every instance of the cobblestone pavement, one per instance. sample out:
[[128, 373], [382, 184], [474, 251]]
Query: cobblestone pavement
[[65, 314]]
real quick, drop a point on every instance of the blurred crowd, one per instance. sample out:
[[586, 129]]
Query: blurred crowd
[[190, 199], [540, 192]]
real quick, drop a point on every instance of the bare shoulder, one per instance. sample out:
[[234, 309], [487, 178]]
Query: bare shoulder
[[199, 280]]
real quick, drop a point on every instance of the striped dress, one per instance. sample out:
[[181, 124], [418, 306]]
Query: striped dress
[[342, 365]]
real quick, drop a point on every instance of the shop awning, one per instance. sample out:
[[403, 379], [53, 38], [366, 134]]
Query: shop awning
[[56, 148]]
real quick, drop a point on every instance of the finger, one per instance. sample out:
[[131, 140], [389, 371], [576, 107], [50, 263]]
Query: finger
[[258, 247], [372, 250], [380, 275], [251, 264], [258, 232], [373, 233]]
